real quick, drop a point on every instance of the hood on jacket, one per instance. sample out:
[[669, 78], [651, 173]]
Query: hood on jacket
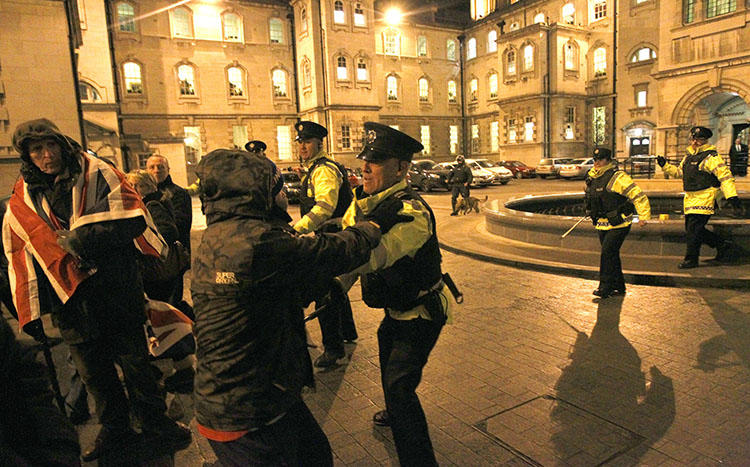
[[235, 182], [39, 129]]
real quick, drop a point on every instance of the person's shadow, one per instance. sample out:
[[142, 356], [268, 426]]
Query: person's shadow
[[604, 378], [717, 351]]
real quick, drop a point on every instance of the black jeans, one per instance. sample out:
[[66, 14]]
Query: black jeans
[[404, 347], [610, 267], [462, 189], [698, 234], [337, 323], [296, 439]]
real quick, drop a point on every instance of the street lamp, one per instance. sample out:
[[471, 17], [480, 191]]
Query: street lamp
[[393, 16]]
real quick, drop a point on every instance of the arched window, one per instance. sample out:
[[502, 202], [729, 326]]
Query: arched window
[[303, 20], [276, 31], [391, 84], [278, 80], [126, 17], [186, 80], [450, 50], [492, 41], [236, 80], [339, 17], [88, 92], [569, 13], [528, 57], [359, 15], [341, 71], [539, 18], [643, 54], [600, 62], [391, 42], [471, 48], [232, 24], [362, 73], [570, 55], [492, 85], [133, 81], [510, 62], [473, 89], [452, 91], [182, 22], [421, 46], [424, 90], [306, 73]]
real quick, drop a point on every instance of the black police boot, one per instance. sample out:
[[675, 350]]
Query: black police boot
[[328, 359], [110, 441], [381, 418], [688, 264], [724, 252], [603, 292]]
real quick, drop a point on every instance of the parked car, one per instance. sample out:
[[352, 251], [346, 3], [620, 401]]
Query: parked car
[[480, 177], [292, 186], [639, 165], [578, 168], [502, 174], [519, 169], [423, 177], [551, 167], [355, 177]]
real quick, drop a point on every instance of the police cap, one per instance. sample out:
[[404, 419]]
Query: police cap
[[382, 142], [602, 153], [308, 130], [700, 132], [255, 146]]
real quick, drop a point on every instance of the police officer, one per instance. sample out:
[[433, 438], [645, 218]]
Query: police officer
[[703, 173], [325, 195], [459, 179], [403, 276], [256, 147], [611, 200]]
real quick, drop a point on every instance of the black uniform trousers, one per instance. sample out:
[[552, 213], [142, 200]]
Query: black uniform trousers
[[404, 347], [461, 189], [610, 266], [295, 439], [337, 322], [697, 235]]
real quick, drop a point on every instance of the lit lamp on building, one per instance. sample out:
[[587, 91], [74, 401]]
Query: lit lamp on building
[[393, 16]]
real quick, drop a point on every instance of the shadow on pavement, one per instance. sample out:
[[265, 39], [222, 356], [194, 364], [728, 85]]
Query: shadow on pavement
[[715, 352]]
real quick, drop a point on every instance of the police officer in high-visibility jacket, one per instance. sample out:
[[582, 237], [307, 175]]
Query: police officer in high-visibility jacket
[[703, 174], [611, 200], [403, 276], [325, 196]]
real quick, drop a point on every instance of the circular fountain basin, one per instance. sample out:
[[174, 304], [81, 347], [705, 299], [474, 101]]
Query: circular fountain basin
[[542, 219]]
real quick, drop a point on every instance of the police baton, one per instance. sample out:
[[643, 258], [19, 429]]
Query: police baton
[[51, 371], [574, 226], [457, 295], [316, 312]]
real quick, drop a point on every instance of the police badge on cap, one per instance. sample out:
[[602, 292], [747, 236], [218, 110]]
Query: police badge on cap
[[602, 153], [381, 142], [255, 146], [700, 132], [308, 130]]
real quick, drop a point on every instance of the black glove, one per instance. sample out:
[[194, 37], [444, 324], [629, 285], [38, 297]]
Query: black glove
[[735, 202], [386, 215], [661, 160]]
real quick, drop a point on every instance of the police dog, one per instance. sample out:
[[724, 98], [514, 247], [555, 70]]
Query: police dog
[[466, 205]]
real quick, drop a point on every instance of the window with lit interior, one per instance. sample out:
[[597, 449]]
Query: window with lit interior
[[359, 15], [421, 46], [492, 84], [471, 48], [391, 42], [341, 71], [232, 24], [644, 54], [424, 90], [452, 91], [236, 79], [391, 84], [182, 22], [473, 89], [186, 79], [133, 81], [424, 134], [278, 79], [276, 30], [539, 18], [569, 13], [88, 93], [450, 50], [600, 62], [528, 57], [339, 17], [492, 41], [362, 74]]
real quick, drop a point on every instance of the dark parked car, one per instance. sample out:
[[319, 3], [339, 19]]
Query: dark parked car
[[519, 169], [423, 176], [292, 186]]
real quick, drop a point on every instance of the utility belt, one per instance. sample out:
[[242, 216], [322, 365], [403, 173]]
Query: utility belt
[[431, 299], [615, 216]]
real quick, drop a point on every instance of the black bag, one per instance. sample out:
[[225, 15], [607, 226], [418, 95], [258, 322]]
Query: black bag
[[168, 269]]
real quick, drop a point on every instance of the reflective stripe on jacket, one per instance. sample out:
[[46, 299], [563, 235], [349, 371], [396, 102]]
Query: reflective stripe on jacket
[[323, 186], [620, 183]]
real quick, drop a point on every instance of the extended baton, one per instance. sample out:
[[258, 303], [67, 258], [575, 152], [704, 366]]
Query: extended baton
[[457, 295], [52, 373], [574, 226]]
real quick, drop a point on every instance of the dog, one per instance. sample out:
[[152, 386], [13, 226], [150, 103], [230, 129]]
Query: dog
[[466, 205]]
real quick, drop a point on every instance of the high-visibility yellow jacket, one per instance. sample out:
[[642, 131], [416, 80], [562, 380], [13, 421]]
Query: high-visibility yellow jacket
[[324, 184], [622, 184], [703, 201]]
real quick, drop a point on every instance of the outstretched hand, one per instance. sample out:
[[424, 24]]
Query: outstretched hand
[[386, 215]]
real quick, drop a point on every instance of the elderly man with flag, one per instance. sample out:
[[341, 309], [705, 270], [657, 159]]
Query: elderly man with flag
[[72, 233]]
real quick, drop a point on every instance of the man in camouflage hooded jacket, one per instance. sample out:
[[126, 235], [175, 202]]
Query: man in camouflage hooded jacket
[[252, 276]]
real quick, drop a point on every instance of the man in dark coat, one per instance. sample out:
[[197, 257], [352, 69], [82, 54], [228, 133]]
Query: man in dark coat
[[738, 158], [459, 180], [81, 265], [252, 276]]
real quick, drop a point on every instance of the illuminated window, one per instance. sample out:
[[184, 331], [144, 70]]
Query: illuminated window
[[339, 17], [510, 62], [450, 50], [453, 130], [362, 74], [232, 27], [512, 130], [392, 88], [569, 13], [492, 84], [126, 17], [475, 143], [528, 129], [641, 98], [341, 72], [88, 93], [570, 53], [643, 54], [346, 137], [239, 136], [494, 136], [186, 78], [492, 41], [720, 7], [133, 83], [599, 8], [182, 22], [359, 15], [276, 31], [473, 89], [303, 20], [539, 18], [278, 79], [193, 146], [599, 122], [528, 57], [600, 62], [424, 90], [452, 91], [284, 141], [421, 46], [481, 8], [236, 79], [391, 42], [471, 49], [569, 122], [424, 134]]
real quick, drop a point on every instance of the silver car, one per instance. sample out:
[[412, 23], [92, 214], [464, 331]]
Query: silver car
[[578, 168], [551, 167]]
